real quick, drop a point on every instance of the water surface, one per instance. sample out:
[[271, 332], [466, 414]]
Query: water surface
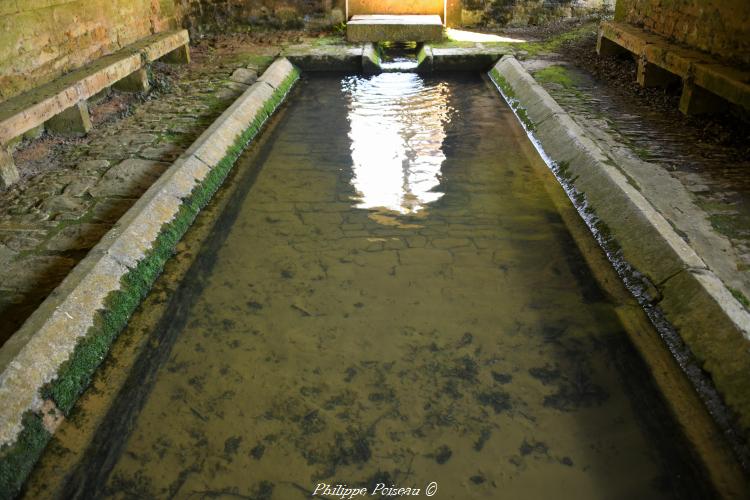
[[392, 297]]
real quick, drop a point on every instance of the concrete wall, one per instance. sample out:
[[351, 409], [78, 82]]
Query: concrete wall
[[721, 27], [43, 39]]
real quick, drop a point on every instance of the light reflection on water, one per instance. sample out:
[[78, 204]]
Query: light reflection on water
[[397, 128]]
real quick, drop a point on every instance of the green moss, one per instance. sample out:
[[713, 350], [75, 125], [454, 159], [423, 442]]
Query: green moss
[[552, 44], [246, 58], [17, 460], [555, 74], [377, 54], [740, 297], [75, 374], [335, 39], [510, 96], [501, 82]]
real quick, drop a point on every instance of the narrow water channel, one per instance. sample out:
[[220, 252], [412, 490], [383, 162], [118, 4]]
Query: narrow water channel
[[392, 297]]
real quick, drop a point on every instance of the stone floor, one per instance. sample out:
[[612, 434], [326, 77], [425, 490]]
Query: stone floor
[[74, 190]]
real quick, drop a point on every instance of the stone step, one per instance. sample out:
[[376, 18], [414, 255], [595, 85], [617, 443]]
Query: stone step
[[392, 28]]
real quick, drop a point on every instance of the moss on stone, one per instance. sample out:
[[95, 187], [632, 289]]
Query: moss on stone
[[741, 298], [555, 74], [510, 96], [17, 460], [552, 44]]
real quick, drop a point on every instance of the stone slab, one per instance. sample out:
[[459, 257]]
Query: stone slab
[[694, 67], [381, 28], [730, 83], [128, 179], [27, 111], [161, 44], [464, 58], [341, 58], [244, 76], [277, 73]]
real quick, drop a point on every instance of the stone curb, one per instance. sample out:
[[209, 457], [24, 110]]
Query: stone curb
[[34, 355], [708, 318]]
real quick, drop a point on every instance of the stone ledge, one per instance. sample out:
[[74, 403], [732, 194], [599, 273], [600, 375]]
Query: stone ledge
[[382, 28], [464, 58], [711, 322], [34, 356], [335, 58], [22, 113], [657, 55]]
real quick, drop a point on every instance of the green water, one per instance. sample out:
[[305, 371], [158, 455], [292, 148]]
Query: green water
[[390, 296]]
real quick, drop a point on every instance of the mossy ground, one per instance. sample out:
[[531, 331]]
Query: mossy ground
[[17, 460], [556, 74]]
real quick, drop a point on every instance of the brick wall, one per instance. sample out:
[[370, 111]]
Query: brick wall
[[43, 39], [721, 27]]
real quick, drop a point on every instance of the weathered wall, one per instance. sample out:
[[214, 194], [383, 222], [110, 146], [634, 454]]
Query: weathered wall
[[42, 39], [356, 7], [210, 15], [525, 12], [721, 27]]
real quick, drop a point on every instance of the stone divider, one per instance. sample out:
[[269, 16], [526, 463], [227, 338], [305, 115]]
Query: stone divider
[[47, 364], [713, 324]]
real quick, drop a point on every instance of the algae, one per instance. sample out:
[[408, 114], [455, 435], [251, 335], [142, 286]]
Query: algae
[[555, 74]]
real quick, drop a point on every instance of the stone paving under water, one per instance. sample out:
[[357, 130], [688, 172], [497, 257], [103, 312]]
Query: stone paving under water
[[435, 323]]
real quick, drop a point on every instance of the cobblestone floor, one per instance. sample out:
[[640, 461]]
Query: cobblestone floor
[[74, 190]]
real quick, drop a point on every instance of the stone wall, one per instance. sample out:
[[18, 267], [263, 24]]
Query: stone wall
[[211, 15], [527, 12], [721, 27], [396, 7], [43, 39]]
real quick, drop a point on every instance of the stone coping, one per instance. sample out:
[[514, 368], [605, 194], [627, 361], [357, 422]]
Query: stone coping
[[366, 58], [714, 325], [395, 28], [56, 340]]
